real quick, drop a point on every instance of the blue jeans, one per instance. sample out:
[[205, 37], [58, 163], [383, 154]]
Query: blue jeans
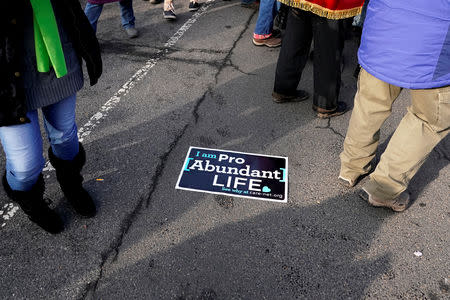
[[267, 13], [23, 143], [93, 12]]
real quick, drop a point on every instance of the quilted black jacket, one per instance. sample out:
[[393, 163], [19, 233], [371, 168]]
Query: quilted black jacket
[[12, 97]]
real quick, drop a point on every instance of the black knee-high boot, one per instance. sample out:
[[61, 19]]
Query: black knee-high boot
[[33, 204], [70, 180]]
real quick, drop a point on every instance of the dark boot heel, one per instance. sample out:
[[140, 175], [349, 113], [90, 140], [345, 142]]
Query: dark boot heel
[[33, 205], [70, 180]]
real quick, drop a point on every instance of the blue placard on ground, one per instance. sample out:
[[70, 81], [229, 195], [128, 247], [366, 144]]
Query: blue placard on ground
[[231, 173]]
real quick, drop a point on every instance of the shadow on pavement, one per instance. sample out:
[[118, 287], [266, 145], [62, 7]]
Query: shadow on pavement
[[314, 252]]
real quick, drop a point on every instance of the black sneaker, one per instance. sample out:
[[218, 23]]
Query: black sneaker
[[193, 6], [170, 13]]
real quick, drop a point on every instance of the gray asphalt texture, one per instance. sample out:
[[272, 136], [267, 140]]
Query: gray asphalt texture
[[151, 241]]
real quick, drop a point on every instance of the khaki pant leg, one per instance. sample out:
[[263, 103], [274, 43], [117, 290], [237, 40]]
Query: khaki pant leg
[[373, 103], [426, 123]]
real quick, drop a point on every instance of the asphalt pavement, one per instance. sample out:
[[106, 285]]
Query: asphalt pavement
[[200, 82]]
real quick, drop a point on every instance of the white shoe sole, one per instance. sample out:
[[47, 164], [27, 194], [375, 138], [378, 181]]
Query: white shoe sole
[[169, 17], [263, 44]]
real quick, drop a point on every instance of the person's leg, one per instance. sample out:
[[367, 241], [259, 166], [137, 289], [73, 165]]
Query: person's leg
[[294, 52], [262, 35], [23, 149], [267, 11], [67, 155], [24, 183], [92, 12], [127, 13], [425, 124], [169, 10], [373, 102], [328, 46], [59, 122]]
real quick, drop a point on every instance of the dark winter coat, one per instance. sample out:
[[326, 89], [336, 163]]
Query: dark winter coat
[[12, 97]]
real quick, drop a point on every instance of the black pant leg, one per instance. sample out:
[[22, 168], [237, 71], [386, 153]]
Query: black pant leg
[[294, 52], [328, 46]]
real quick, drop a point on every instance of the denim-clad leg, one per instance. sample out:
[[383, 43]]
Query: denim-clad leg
[[59, 123], [127, 15], [92, 12], [23, 149], [23, 143], [267, 12]]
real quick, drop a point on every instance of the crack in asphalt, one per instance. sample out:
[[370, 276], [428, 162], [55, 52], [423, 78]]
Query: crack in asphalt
[[201, 50], [113, 250], [231, 64], [331, 128], [190, 61], [160, 168], [198, 103], [139, 56], [225, 62], [212, 63], [227, 59], [131, 49]]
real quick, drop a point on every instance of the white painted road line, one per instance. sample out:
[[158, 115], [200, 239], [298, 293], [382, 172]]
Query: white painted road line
[[9, 209]]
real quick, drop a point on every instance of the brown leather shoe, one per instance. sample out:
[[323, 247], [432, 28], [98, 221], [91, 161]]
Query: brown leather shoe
[[300, 95], [270, 42], [398, 204], [329, 113]]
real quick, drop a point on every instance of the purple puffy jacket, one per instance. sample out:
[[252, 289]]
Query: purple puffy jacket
[[407, 42]]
